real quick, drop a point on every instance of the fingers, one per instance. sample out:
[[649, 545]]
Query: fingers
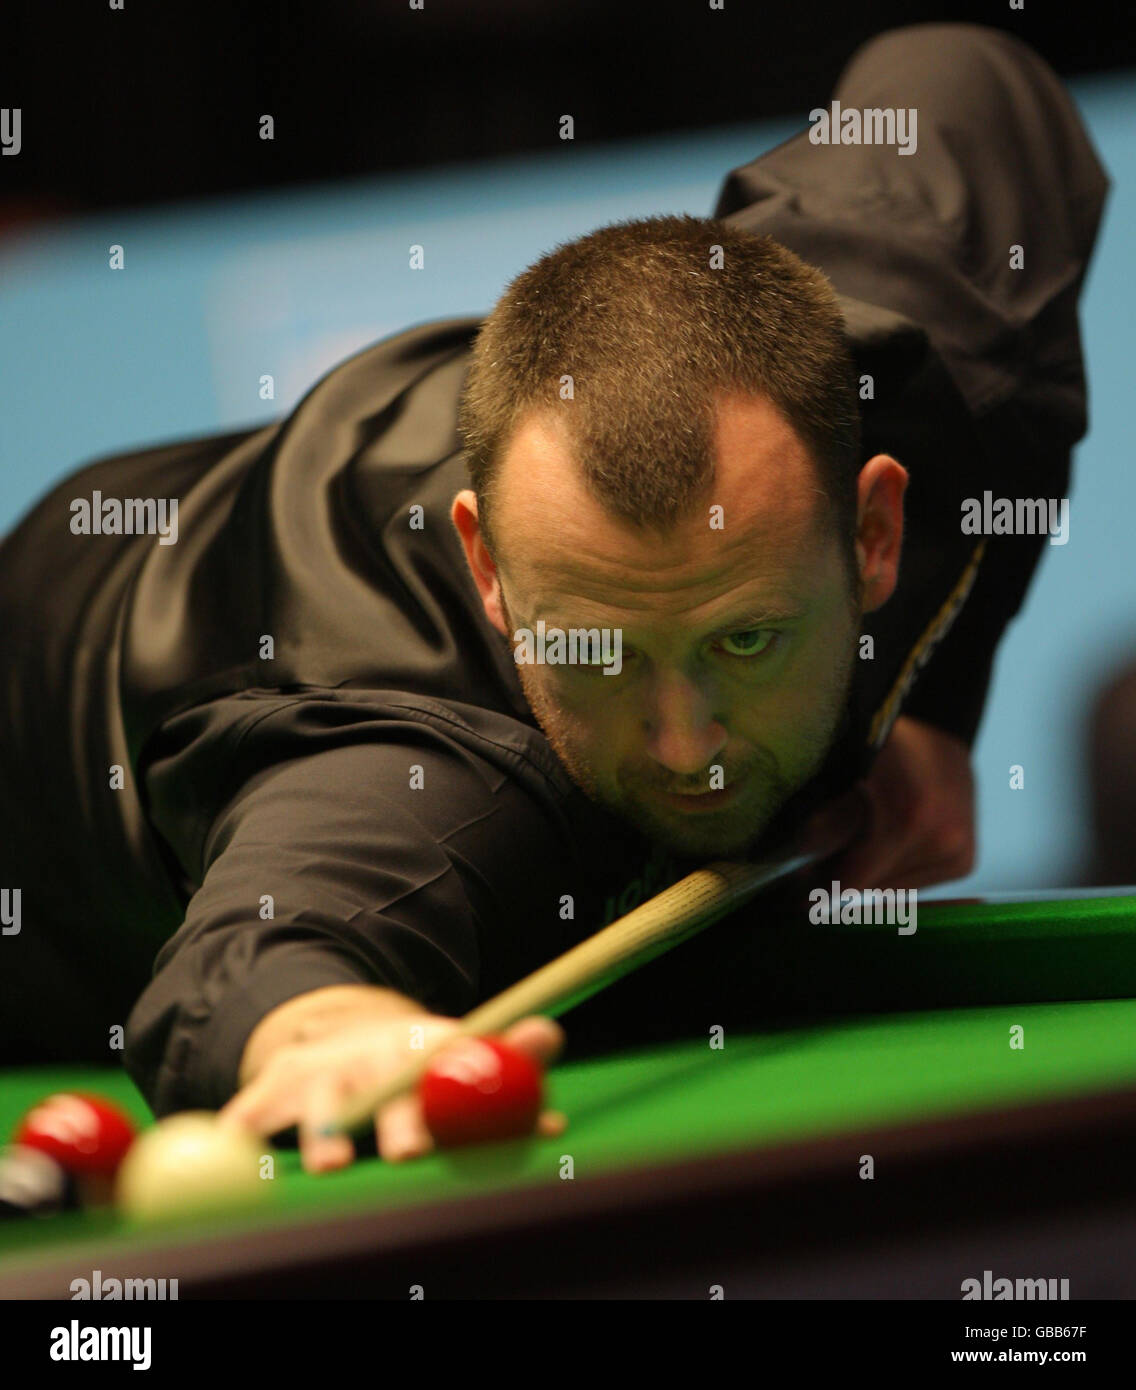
[[540, 1038], [309, 1086], [400, 1130], [401, 1133], [920, 831], [921, 864], [551, 1124], [264, 1106], [913, 837], [323, 1148]]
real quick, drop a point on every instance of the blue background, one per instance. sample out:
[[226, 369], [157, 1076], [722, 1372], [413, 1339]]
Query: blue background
[[217, 294]]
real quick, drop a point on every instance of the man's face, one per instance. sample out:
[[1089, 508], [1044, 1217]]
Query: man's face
[[737, 643]]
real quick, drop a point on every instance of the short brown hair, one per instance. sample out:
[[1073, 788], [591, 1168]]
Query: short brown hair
[[652, 322]]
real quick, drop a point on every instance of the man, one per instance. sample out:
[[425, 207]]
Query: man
[[293, 755]]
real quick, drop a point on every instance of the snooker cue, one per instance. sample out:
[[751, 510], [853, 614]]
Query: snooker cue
[[649, 930]]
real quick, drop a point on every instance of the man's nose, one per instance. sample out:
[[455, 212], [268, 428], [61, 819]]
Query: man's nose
[[682, 733]]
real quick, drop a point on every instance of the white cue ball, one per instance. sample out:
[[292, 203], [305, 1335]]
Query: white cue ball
[[189, 1164]]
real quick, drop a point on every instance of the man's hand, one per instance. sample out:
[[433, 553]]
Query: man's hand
[[306, 1083], [919, 799]]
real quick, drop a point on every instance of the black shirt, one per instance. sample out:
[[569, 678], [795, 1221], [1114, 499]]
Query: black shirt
[[373, 801]]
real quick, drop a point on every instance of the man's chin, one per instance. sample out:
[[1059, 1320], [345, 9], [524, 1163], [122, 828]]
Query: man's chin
[[708, 837]]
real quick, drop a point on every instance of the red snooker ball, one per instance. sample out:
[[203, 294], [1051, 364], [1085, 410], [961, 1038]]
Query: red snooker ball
[[479, 1090], [85, 1134]]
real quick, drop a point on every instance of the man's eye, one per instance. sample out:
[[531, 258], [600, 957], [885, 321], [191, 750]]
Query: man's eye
[[751, 643], [596, 666]]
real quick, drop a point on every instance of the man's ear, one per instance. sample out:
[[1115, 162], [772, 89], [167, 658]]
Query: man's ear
[[879, 528], [482, 566]]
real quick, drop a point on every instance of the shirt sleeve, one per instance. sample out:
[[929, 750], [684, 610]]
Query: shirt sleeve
[[343, 853]]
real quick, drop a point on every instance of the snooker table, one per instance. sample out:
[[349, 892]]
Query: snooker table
[[687, 1168]]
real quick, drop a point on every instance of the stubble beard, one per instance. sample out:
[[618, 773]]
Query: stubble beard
[[708, 834]]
